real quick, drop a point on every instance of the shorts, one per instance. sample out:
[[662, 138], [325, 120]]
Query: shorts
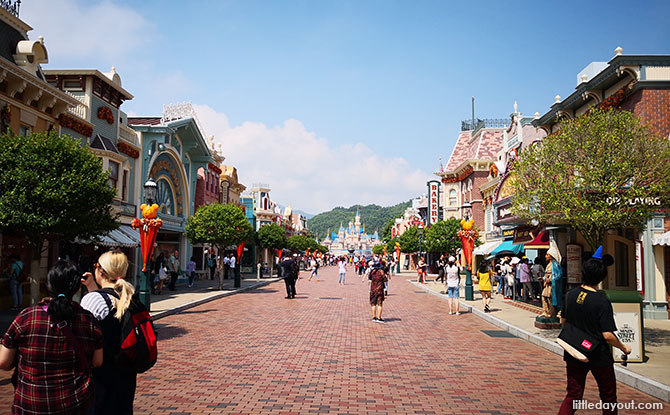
[[452, 292]]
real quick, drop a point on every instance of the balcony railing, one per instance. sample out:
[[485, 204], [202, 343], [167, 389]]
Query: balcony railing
[[486, 123], [80, 109], [127, 134], [11, 6], [124, 208]]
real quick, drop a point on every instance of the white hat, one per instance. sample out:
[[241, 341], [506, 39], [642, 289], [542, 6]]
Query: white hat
[[515, 260], [554, 252], [452, 259]]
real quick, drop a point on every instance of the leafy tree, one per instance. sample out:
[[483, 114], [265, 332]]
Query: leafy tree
[[271, 236], [299, 243], [51, 188], [592, 173], [387, 230], [441, 236], [409, 240], [219, 224], [378, 249]]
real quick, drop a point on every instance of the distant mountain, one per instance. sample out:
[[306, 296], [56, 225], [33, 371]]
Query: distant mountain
[[305, 214], [373, 217]]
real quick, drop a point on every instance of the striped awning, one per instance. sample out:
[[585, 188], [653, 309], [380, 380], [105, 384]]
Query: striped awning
[[124, 237], [485, 249], [662, 240]]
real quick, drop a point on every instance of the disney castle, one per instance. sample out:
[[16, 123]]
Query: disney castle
[[351, 238]]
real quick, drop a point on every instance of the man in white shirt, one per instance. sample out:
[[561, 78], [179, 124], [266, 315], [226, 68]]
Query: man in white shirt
[[226, 266]]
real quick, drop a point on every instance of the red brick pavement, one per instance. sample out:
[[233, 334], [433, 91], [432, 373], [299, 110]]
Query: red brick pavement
[[256, 352]]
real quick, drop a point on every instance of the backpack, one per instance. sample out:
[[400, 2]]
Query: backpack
[[139, 346], [295, 269], [21, 276]]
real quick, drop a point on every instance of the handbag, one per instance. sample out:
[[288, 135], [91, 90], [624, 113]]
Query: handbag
[[577, 342]]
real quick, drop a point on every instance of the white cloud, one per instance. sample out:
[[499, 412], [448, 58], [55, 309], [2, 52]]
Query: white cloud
[[75, 29], [307, 171]]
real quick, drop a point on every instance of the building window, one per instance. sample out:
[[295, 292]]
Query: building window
[[657, 224], [124, 186], [24, 131], [113, 173], [73, 85], [453, 200]]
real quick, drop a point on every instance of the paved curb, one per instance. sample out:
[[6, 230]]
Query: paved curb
[[212, 297], [632, 379]]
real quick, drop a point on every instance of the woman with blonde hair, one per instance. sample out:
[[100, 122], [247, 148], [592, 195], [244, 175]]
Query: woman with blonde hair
[[114, 387]]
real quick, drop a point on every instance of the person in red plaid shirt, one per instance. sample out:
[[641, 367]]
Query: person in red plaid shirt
[[53, 378]]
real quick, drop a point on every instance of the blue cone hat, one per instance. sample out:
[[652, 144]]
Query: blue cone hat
[[599, 253]]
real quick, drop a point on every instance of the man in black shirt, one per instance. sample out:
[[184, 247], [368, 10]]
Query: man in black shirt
[[290, 272], [590, 311]]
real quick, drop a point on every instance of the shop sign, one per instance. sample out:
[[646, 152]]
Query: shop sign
[[634, 201], [524, 234], [629, 330], [574, 263], [433, 201], [507, 233], [504, 212]]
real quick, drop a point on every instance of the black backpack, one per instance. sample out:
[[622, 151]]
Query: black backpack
[[139, 343]]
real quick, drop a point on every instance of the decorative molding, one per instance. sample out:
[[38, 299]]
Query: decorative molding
[[16, 87], [31, 94]]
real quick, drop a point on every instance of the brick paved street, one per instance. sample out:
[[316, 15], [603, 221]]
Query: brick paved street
[[256, 352]]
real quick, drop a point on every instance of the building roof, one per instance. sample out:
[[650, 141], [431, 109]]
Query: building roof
[[103, 143], [144, 120], [111, 78], [485, 145]]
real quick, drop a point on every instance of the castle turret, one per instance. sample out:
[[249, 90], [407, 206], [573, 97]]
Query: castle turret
[[357, 222]]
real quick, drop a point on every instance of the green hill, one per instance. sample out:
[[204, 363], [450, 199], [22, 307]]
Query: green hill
[[373, 217]]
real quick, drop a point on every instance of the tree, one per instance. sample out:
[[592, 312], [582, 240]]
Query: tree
[[601, 171], [441, 237], [219, 224], [271, 236], [378, 249], [298, 242], [409, 240], [51, 188], [387, 230]]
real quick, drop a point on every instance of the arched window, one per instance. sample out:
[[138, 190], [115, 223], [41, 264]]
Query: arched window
[[453, 200], [165, 197]]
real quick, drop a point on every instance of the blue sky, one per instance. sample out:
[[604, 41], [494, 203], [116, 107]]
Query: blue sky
[[374, 90]]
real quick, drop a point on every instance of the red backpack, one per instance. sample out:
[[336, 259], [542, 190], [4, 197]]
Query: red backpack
[[139, 344]]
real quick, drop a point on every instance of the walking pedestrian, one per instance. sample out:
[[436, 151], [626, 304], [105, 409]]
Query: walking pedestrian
[[54, 345], [525, 279], [342, 264], [377, 279], [314, 266], [190, 270], [508, 276], [591, 312], [173, 267], [290, 272], [421, 270], [440, 269], [114, 386], [211, 264], [16, 281], [453, 283], [484, 279], [232, 263], [537, 272]]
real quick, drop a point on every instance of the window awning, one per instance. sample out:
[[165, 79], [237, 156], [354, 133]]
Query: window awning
[[485, 249], [541, 241], [662, 240], [508, 248], [124, 237]]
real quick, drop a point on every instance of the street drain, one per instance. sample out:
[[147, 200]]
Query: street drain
[[498, 333]]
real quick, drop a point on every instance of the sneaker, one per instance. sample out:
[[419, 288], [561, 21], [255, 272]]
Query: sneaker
[[458, 313], [450, 313], [380, 320], [288, 297], [374, 319]]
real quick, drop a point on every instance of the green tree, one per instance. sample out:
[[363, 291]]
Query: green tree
[[298, 242], [378, 249], [51, 188], [409, 240], [219, 224], [596, 173], [387, 230], [441, 237], [271, 237]]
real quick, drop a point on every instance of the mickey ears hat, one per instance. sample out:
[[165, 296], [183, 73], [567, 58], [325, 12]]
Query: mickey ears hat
[[599, 253]]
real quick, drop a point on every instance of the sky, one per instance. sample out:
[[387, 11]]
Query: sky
[[334, 103]]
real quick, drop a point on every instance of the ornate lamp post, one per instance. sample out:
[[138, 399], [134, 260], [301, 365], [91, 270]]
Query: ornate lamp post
[[468, 235], [148, 227]]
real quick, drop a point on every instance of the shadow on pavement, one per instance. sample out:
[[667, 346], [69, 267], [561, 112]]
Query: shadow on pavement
[[656, 337], [165, 331], [196, 311]]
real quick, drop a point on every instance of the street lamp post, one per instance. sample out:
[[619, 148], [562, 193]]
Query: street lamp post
[[149, 225], [468, 235]]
